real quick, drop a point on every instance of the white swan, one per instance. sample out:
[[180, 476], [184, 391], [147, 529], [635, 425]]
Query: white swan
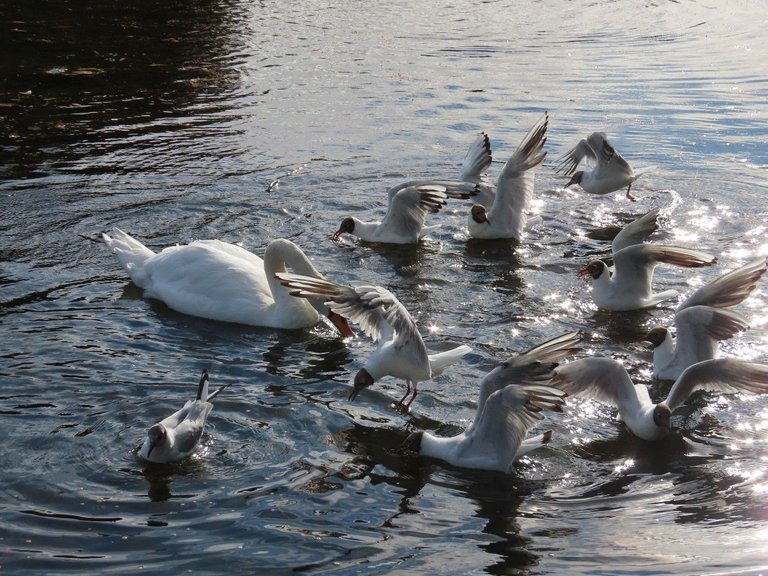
[[609, 172], [702, 320], [400, 353], [606, 380], [219, 281], [176, 437], [506, 217], [629, 285]]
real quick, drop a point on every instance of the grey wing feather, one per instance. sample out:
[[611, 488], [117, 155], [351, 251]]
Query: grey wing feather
[[726, 375], [569, 161], [729, 289], [637, 231]]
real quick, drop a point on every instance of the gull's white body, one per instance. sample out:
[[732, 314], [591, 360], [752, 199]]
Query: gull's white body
[[401, 352], [509, 401], [182, 429], [702, 320], [606, 380], [629, 285], [506, 216], [609, 171], [220, 281]]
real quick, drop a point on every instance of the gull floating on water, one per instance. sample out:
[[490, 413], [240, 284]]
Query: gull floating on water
[[400, 353], [408, 207], [629, 285], [220, 281], [176, 437], [506, 216], [510, 403], [607, 381], [609, 171], [702, 321]]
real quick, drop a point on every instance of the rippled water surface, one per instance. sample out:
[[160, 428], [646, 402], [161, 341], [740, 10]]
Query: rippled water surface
[[250, 121]]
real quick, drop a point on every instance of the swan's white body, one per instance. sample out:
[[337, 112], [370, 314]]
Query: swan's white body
[[176, 437], [506, 216], [606, 380], [702, 320], [220, 281], [629, 285]]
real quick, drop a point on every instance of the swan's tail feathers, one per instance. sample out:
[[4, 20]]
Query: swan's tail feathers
[[440, 361], [130, 252]]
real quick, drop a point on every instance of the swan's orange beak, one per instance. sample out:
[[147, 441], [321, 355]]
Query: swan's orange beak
[[341, 324]]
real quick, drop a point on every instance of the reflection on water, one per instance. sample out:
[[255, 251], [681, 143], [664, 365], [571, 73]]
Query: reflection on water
[[249, 121]]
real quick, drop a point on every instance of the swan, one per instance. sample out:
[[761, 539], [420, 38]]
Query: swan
[[220, 281]]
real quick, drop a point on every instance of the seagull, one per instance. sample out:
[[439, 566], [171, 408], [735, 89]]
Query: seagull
[[409, 204], [506, 217], [400, 353], [637, 231], [510, 400], [607, 381], [220, 281], [628, 285], [702, 320], [610, 172], [176, 437]]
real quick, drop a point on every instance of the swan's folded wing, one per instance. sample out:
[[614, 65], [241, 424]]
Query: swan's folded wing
[[726, 375]]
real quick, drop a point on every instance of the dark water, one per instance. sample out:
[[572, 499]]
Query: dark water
[[250, 121]]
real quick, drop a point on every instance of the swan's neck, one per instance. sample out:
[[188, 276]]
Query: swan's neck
[[282, 254]]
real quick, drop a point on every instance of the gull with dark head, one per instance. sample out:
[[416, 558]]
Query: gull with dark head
[[401, 352], [609, 171], [702, 320], [628, 286], [606, 380], [176, 437], [511, 399], [506, 217]]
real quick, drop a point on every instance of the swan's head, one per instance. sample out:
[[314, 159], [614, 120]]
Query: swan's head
[[157, 435], [347, 227], [656, 336], [576, 178], [412, 444], [479, 214], [594, 269], [662, 416], [363, 379]]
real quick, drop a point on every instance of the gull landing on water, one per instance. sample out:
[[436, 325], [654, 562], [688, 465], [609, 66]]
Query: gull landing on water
[[400, 353], [609, 171], [176, 437], [506, 217], [607, 381], [509, 404], [702, 320], [629, 285]]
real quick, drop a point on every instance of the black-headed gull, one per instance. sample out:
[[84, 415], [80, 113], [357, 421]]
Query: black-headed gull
[[506, 217], [607, 381], [408, 206], [702, 321], [609, 172], [176, 437], [509, 404], [400, 353], [220, 281], [629, 285]]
